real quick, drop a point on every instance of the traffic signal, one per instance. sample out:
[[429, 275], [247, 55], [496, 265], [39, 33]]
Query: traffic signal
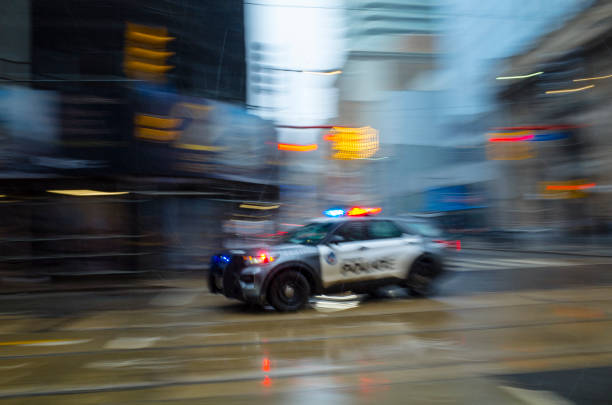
[[145, 53], [353, 143]]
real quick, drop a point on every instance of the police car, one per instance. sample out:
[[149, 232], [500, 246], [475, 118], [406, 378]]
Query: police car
[[349, 250]]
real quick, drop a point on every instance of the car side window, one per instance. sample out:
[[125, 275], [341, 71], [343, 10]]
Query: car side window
[[383, 230], [352, 231]]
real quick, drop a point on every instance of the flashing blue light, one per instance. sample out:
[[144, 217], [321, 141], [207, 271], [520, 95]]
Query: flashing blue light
[[221, 259], [334, 212]]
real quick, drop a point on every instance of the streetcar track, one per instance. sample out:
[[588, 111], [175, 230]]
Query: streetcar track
[[272, 341], [344, 317]]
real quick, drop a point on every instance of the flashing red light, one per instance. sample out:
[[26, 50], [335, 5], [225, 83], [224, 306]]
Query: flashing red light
[[513, 139], [265, 365], [267, 381], [363, 211], [259, 258]]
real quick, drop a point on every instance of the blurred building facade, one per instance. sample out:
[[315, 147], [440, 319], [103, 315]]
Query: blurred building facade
[[128, 147], [563, 181], [294, 51], [392, 48]]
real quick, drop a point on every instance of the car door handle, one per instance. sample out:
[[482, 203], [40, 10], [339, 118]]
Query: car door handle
[[363, 248]]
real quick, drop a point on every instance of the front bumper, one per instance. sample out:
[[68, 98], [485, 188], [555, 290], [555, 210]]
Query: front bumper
[[225, 279]]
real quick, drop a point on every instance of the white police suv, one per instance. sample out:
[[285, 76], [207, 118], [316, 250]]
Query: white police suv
[[350, 251]]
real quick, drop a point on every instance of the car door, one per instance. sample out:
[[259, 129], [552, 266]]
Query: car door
[[390, 249], [343, 259]]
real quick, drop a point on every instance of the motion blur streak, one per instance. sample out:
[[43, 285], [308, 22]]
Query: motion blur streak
[[156, 122], [518, 77], [513, 139], [87, 193], [297, 148], [156, 134], [259, 207], [570, 187], [536, 127], [333, 72], [570, 90], [208, 148], [593, 78]]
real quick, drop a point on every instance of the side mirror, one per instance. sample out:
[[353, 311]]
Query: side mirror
[[335, 239]]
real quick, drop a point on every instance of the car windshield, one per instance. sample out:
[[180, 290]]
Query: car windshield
[[311, 234]]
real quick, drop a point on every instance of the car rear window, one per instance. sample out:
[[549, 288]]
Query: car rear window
[[423, 228], [383, 230]]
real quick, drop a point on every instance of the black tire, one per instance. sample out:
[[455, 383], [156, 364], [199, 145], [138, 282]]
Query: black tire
[[288, 291], [421, 276]]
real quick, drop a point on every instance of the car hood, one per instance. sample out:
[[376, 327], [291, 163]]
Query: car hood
[[273, 248]]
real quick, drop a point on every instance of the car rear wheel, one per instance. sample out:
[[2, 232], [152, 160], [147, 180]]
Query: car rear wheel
[[421, 276], [289, 291]]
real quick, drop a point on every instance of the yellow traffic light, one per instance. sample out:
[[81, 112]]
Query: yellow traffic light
[[145, 53], [353, 143]]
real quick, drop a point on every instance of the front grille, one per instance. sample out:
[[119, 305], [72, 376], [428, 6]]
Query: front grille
[[231, 275], [218, 263]]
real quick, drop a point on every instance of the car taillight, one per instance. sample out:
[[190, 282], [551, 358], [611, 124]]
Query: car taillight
[[451, 244]]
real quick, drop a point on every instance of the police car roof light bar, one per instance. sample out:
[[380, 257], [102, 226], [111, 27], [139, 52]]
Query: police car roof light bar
[[363, 211], [334, 212]]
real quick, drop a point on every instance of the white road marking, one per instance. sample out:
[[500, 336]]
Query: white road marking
[[131, 342], [155, 364], [533, 397], [14, 366], [58, 342], [174, 299]]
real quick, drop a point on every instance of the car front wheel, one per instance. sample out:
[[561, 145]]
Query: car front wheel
[[289, 291]]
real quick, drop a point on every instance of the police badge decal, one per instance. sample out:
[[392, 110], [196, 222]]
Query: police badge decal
[[331, 258]]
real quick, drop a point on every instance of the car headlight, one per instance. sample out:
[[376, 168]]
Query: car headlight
[[259, 258]]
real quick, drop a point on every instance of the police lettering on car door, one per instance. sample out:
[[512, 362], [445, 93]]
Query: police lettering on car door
[[361, 266]]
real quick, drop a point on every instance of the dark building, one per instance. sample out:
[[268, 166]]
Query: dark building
[[84, 39], [87, 105]]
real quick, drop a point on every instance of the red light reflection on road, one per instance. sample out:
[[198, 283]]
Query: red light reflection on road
[[265, 367], [369, 385]]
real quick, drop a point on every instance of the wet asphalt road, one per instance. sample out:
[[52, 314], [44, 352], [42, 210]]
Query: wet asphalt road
[[502, 329]]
